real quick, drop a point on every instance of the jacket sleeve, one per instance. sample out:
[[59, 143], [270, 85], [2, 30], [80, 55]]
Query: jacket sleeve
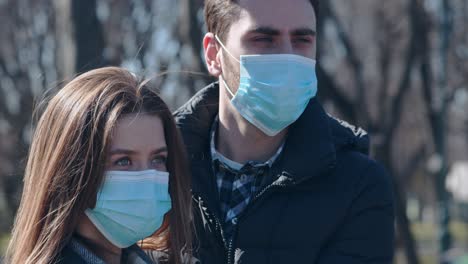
[[367, 233]]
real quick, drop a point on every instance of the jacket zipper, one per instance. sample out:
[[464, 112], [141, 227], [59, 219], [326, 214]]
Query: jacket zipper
[[230, 250], [230, 254], [256, 198]]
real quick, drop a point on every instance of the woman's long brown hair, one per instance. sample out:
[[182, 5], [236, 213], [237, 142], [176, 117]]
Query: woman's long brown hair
[[66, 165]]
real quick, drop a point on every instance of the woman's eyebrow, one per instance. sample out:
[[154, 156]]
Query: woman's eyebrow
[[122, 151], [160, 150]]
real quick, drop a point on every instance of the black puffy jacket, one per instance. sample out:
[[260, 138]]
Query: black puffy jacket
[[330, 204]]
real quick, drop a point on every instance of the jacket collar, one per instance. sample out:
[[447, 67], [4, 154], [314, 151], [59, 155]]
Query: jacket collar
[[310, 148], [195, 118]]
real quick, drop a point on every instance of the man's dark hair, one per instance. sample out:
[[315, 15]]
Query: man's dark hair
[[220, 14]]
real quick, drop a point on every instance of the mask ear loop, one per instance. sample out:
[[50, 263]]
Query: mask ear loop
[[227, 87], [221, 76], [224, 47]]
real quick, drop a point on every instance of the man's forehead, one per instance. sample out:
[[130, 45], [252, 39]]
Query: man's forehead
[[281, 15]]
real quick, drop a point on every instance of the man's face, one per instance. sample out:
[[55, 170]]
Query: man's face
[[269, 27]]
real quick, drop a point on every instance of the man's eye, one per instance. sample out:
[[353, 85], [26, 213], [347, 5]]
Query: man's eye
[[303, 40], [124, 162], [263, 39]]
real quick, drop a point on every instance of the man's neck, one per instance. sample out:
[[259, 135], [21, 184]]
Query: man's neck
[[239, 140]]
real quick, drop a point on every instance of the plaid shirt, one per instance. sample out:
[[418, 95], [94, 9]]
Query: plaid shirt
[[237, 183]]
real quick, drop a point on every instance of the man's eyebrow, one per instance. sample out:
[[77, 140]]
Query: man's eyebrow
[[304, 32], [265, 31]]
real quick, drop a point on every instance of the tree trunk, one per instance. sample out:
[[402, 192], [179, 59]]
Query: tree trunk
[[89, 38], [382, 154]]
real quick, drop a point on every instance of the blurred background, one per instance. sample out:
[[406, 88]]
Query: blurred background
[[398, 68]]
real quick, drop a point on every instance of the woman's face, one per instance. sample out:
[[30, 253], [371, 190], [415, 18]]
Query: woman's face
[[138, 143]]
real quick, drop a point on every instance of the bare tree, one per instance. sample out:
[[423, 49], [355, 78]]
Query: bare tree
[[437, 99], [402, 50], [27, 65], [89, 38]]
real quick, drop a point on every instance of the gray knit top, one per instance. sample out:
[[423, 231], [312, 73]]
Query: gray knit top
[[130, 255]]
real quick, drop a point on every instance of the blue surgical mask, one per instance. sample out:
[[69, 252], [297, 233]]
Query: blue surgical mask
[[130, 205], [274, 89]]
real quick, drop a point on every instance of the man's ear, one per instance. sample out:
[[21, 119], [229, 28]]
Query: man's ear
[[211, 51]]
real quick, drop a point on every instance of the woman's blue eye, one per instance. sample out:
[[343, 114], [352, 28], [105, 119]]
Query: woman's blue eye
[[123, 162], [159, 160]]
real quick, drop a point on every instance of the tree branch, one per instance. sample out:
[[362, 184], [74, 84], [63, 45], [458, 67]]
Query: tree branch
[[353, 60], [3, 105], [329, 89], [414, 161], [190, 33], [396, 106]]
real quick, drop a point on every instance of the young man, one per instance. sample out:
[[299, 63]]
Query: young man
[[274, 178]]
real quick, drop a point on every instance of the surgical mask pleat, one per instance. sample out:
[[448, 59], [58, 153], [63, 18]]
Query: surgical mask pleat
[[130, 205], [274, 89]]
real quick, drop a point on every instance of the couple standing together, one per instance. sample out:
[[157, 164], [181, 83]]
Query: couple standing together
[[250, 170]]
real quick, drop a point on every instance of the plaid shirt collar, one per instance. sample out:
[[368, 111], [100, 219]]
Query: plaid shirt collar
[[237, 183], [215, 155]]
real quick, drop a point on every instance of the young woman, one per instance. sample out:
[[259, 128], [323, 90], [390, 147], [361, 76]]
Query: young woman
[[106, 163]]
